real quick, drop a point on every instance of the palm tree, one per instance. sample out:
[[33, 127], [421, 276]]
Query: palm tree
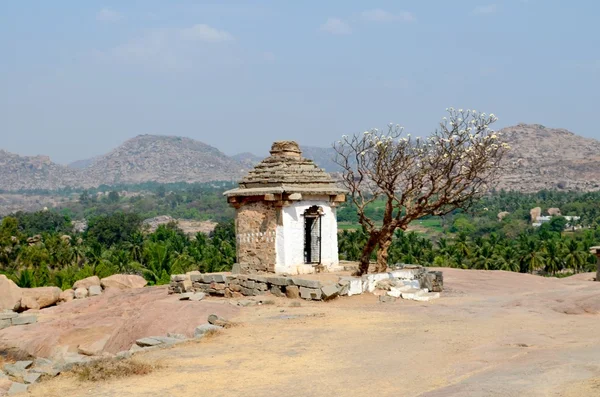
[[532, 257], [575, 259], [554, 262]]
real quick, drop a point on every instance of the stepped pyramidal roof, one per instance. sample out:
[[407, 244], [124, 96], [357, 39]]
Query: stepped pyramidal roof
[[286, 171]]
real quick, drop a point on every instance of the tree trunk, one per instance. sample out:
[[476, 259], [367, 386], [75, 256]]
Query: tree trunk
[[365, 258], [385, 241]]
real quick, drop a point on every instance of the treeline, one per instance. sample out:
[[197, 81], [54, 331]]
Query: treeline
[[39, 249], [547, 250], [196, 201]]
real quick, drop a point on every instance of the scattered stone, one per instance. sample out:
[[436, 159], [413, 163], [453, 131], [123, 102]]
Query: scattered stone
[[87, 282], [69, 360], [292, 292], [145, 342], [123, 281], [310, 293], [395, 292], [31, 377], [185, 296], [67, 295], [427, 297], [413, 293], [275, 290], [386, 299], [329, 292], [24, 319], [135, 348], [17, 388], [125, 354], [176, 336], [295, 304], [216, 320], [95, 290], [198, 296], [81, 293], [246, 302], [201, 330], [93, 348]]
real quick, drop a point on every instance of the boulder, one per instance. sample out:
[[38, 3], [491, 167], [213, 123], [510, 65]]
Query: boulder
[[329, 292], [554, 211], [87, 282], [67, 296], [45, 296], [292, 292], [123, 281], [17, 388], [81, 293], [95, 290], [502, 215], [535, 213], [24, 319], [10, 294], [29, 303], [201, 330]]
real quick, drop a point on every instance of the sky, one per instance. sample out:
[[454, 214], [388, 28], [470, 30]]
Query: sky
[[78, 78]]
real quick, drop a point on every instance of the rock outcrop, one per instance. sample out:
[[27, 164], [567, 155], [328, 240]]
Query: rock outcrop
[[44, 296]]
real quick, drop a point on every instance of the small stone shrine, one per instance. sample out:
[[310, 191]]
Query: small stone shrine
[[286, 215]]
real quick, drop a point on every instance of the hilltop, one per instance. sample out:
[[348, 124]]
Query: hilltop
[[540, 158]]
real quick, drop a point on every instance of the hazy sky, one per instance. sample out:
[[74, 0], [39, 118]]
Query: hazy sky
[[77, 78]]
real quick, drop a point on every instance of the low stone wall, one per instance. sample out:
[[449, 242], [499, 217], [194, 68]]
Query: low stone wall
[[240, 285]]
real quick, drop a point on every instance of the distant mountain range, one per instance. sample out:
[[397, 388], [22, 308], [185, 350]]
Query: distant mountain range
[[540, 158]]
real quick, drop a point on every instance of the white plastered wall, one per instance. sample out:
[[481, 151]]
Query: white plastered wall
[[290, 238]]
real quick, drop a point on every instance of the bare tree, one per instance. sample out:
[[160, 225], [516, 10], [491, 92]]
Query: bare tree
[[417, 177]]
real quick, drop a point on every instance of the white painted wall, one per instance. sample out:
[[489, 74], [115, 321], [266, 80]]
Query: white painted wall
[[290, 238]]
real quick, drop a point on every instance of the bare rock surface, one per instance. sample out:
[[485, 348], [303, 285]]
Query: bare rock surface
[[123, 281], [491, 333], [111, 322]]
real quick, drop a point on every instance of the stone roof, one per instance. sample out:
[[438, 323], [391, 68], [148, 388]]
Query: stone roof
[[286, 171]]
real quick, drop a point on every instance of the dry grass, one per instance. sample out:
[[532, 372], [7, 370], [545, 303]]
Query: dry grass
[[211, 333], [111, 369]]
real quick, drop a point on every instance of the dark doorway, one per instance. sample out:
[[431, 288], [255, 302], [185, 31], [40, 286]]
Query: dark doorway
[[312, 235]]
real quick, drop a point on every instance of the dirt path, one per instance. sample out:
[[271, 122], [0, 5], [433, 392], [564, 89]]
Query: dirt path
[[492, 334]]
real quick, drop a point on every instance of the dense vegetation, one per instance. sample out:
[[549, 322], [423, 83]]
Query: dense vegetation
[[479, 240], [40, 248]]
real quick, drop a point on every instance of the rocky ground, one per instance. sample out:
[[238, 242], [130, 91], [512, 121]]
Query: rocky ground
[[490, 334]]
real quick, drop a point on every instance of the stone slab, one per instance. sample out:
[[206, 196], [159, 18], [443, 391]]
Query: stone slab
[[276, 290], [281, 281], [310, 293], [5, 323], [427, 297], [386, 299], [7, 315], [292, 292], [31, 377], [329, 292], [24, 319], [17, 388], [302, 282], [145, 342], [198, 296]]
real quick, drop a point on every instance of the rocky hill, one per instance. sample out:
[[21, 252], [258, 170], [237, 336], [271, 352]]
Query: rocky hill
[[550, 158], [540, 158], [28, 173], [163, 159]]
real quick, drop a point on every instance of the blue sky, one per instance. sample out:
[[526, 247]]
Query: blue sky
[[77, 78]]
